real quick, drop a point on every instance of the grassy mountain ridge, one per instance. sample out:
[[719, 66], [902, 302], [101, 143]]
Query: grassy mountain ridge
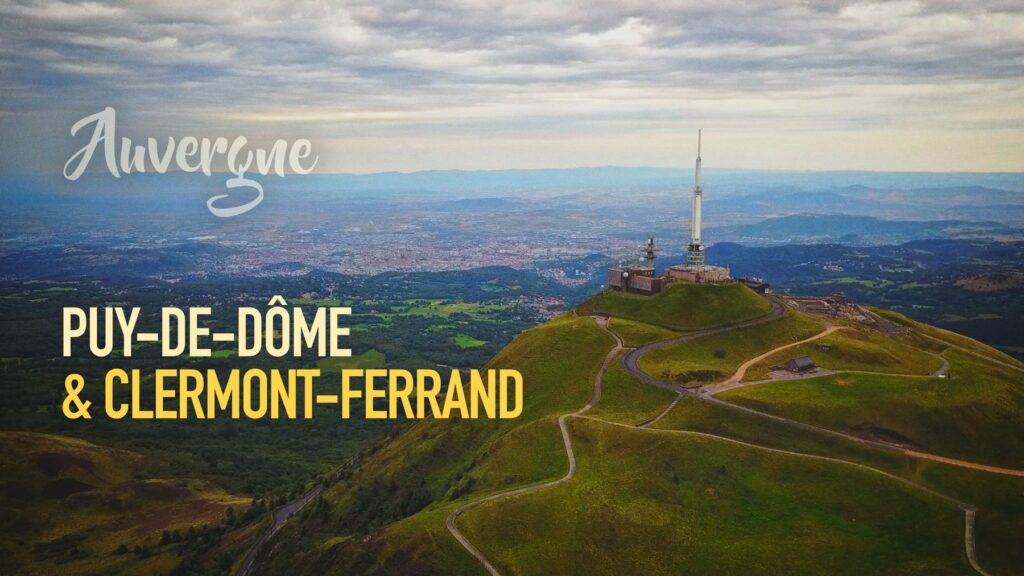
[[661, 501]]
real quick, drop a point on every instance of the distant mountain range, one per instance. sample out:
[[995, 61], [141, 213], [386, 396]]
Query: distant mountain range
[[852, 230], [975, 203]]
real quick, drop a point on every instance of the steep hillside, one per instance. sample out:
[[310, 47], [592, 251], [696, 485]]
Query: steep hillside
[[78, 503], [434, 462], [663, 479]]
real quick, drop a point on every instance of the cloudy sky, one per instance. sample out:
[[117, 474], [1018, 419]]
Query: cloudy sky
[[405, 85]]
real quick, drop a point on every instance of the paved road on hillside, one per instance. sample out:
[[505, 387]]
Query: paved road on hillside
[[567, 440], [629, 362], [281, 515]]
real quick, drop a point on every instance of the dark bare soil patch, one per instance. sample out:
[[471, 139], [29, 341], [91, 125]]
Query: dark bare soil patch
[[64, 487], [54, 463]]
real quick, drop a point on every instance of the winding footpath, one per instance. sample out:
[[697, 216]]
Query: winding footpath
[[736, 380], [566, 438]]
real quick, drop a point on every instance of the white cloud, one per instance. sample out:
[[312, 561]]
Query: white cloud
[[485, 69]]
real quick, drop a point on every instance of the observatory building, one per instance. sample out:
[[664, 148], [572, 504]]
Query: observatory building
[[695, 269], [640, 278]]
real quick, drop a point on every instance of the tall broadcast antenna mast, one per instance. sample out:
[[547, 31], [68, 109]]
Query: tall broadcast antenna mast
[[695, 251]]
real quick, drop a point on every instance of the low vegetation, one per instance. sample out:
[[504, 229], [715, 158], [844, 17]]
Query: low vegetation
[[628, 400], [434, 462], [951, 338], [636, 334], [649, 502], [976, 414], [681, 306], [855, 349], [74, 507], [717, 356]]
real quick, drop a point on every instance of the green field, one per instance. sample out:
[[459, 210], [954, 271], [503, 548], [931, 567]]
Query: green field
[[681, 306], [859, 281], [717, 356], [976, 414], [368, 359], [855, 349], [649, 502], [445, 309], [464, 341]]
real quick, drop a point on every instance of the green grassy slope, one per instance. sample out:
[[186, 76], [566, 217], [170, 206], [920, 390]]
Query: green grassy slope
[[1001, 509], [856, 349], [951, 338], [976, 414], [69, 504], [635, 333], [647, 502], [558, 361], [628, 400], [434, 462], [719, 355], [681, 306]]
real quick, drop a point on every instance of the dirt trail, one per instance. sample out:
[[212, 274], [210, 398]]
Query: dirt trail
[[662, 414], [965, 463], [971, 549], [567, 440], [742, 370]]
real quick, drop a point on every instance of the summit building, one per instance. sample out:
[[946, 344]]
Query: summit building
[[641, 278]]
